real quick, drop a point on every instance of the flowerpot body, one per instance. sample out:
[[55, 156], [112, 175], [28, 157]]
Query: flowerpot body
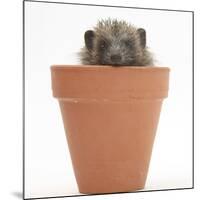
[[110, 117]]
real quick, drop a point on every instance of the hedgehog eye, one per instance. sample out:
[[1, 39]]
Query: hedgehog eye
[[103, 45], [127, 43]]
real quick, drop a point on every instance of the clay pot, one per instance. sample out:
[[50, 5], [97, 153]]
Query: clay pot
[[110, 115]]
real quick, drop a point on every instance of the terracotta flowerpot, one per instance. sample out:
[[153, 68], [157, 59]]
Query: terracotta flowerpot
[[110, 115]]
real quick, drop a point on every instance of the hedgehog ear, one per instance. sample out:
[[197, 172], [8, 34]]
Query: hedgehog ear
[[142, 34], [89, 36]]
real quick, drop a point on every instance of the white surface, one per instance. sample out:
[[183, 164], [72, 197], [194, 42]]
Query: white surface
[[53, 35], [11, 115]]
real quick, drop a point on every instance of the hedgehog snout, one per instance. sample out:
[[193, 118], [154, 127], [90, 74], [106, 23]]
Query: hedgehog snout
[[115, 58]]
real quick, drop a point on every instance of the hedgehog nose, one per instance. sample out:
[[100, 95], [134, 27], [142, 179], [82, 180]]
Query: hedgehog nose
[[115, 58]]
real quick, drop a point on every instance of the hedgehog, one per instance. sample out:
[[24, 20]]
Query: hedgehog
[[116, 43]]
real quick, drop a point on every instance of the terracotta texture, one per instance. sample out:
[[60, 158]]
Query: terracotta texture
[[110, 115]]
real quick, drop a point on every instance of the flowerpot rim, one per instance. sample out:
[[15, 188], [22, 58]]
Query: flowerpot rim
[[107, 82], [108, 67]]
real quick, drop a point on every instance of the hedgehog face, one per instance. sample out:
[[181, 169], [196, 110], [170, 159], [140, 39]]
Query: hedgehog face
[[116, 50], [115, 43]]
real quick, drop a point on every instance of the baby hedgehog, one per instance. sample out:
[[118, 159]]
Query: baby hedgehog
[[115, 43]]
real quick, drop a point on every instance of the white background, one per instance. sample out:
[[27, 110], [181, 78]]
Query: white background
[[53, 35], [11, 79]]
